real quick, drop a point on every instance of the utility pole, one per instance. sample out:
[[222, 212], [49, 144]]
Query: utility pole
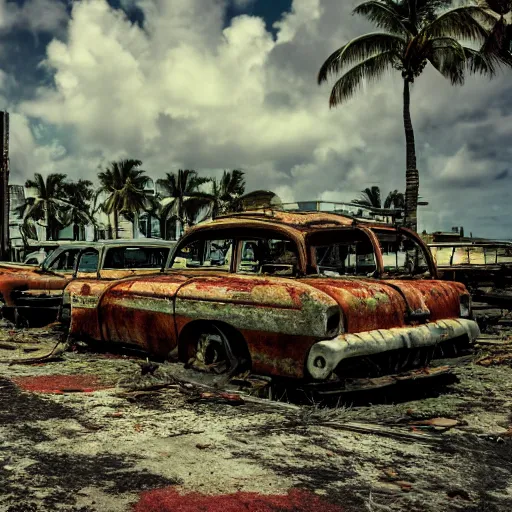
[[4, 187]]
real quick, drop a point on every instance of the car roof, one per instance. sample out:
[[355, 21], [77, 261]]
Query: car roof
[[120, 242], [301, 221]]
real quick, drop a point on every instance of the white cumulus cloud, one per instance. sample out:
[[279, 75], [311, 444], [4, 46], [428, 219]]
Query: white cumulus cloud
[[187, 91]]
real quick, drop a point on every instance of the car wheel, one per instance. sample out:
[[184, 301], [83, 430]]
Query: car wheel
[[212, 352]]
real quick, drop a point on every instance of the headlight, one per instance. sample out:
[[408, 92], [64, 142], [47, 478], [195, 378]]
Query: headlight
[[465, 306]]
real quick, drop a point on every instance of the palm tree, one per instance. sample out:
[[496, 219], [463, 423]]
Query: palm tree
[[395, 200], [50, 205], [79, 193], [371, 198], [123, 183], [181, 199], [226, 192], [413, 33]]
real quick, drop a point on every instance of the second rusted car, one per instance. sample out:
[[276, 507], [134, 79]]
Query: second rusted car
[[311, 296], [32, 295]]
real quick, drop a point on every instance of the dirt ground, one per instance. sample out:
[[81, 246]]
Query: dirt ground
[[75, 436]]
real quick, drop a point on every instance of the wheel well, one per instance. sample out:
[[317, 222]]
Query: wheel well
[[197, 327]]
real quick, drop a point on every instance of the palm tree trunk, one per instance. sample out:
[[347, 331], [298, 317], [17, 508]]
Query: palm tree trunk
[[47, 223], [116, 224], [412, 178], [135, 228]]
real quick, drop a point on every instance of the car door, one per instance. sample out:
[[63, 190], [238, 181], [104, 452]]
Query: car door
[[81, 296]]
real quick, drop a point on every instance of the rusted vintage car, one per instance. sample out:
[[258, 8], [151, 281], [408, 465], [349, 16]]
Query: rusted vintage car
[[311, 296], [32, 294], [484, 267]]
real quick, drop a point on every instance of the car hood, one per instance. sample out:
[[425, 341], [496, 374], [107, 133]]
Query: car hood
[[369, 304], [15, 268]]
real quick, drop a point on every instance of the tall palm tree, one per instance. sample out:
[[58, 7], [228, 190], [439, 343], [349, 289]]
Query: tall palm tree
[[181, 199], [49, 206], [123, 183], [79, 193], [413, 34]]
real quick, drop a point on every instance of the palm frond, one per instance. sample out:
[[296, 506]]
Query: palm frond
[[360, 49], [448, 57], [383, 15], [465, 22], [370, 69], [483, 63]]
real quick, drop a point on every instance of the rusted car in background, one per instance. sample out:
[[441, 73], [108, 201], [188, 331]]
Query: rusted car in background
[[485, 268], [311, 296], [32, 295]]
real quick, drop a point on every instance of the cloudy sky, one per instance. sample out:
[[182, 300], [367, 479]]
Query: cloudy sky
[[223, 84]]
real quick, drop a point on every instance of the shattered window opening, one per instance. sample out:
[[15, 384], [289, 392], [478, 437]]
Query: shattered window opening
[[346, 258], [342, 252], [88, 261], [64, 262], [204, 254], [276, 256], [402, 255]]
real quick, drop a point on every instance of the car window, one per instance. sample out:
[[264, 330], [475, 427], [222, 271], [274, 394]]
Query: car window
[[135, 257], [32, 261], [504, 255], [65, 261], [401, 254], [442, 255], [491, 255], [268, 256], [204, 254], [88, 261], [339, 259]]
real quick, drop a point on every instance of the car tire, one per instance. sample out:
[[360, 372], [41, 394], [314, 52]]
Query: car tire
[[210, 349]]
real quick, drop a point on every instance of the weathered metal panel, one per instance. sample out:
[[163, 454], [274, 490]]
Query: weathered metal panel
[[83, 297], [266, 304], [139, 311], [366, 304]]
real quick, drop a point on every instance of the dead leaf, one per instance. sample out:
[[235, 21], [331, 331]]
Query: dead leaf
[[438, 422]]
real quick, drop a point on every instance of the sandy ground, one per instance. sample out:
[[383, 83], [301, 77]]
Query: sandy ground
[[70, 440]]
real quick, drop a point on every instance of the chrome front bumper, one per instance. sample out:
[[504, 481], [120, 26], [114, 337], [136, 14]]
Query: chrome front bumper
[[324, 356]]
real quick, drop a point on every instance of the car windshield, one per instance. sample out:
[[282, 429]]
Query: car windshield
[[401, 254], [351, 253], [343, 253]]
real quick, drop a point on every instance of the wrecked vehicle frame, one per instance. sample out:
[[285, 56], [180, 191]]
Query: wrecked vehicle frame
[[484, 267], [318, 298], [32, 294]]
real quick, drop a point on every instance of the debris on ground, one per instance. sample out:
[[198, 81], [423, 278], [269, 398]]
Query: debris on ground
[[96, 432]]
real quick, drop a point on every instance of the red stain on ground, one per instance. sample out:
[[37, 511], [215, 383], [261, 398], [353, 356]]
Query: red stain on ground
[[170, 500], [60, 383]]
